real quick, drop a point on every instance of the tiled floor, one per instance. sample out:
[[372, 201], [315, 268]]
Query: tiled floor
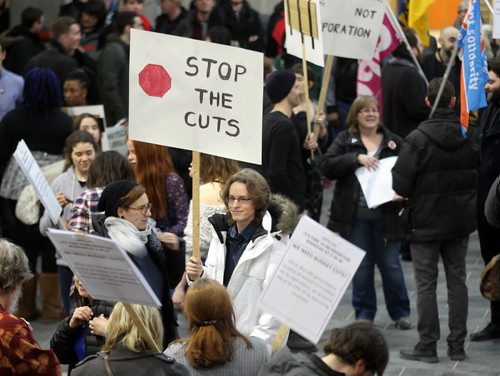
[[483, 358]]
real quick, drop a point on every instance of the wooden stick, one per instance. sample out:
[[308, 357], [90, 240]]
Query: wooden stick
[[327, 72], [195, 171], [141, 327], [280, 337], [306, 86]]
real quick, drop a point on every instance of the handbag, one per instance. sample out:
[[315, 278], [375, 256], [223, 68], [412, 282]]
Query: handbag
[[490, 280]]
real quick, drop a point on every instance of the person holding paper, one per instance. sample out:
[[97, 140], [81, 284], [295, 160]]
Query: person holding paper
[[214, 346], [127, 211], [126, 351], [377, 231], [437, 172], [247, 245], [20, 353], [81, 333]]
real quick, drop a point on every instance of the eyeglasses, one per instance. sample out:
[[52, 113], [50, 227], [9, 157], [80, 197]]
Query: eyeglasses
[[143, 209], [241, 200], [369, 111]]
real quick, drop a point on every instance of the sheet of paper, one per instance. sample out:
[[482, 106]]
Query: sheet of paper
[[496, 19], [104, 268], [34, 174], [377, 184], [311, 279]]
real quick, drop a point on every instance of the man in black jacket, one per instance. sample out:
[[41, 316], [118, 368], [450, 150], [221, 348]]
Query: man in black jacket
[[489, 169], [437, 172]]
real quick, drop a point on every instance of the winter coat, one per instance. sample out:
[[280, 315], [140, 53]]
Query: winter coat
[[126, 362], [64, 338], [340, 163], [437, 171], [299, 364], [24, 45], [171, 265], [492, 205], [404, 96], [256, 266]]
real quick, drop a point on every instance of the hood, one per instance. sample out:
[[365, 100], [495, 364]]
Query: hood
[[444, 129], [282, 216]]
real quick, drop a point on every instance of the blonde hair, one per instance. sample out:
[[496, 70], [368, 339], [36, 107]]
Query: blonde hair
[[122, 329]]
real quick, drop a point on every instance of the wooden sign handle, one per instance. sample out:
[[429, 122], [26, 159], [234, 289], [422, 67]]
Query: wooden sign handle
[[195, 171], [327, 72], [280, 337]]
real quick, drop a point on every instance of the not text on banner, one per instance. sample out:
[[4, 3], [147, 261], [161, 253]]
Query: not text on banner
[[196, 95], [351, 28], [312, 278]]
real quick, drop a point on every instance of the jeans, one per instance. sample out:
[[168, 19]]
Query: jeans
[[425, 257], [65, 283], [367, 235]]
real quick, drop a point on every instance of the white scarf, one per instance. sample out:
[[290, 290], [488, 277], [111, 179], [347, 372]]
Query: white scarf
[[127, 236]]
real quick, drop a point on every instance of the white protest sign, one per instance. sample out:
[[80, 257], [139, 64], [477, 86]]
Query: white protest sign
[[293, 40], [377, 184], [496, 19], [311, 279], [103, 267], [35, 176], [351, 28], [196, 95]]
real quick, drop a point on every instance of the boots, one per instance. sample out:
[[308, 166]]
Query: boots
[[51, 298], [27, 304]]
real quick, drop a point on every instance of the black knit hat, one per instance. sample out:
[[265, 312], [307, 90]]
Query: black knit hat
[[279, 84], [110, 198]]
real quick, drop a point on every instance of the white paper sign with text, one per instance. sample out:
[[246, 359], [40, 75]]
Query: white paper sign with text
[[104, 268], [34, 174], [351, 28], [196, 95], [311, 279], [313, 46]]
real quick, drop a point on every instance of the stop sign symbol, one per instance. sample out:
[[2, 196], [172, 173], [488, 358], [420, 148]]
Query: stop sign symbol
[[155, 80]]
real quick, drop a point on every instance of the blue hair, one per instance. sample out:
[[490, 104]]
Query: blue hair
[[42, 91]]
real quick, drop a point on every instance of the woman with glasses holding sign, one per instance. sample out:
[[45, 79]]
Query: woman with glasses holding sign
[[127, 211], [247, 245], [377, 231]]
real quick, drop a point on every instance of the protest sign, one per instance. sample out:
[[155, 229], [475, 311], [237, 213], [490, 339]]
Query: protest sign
[[302, 29], [311, 279], [196, 95], [104, 268], [377, 184], [35, 176], [496, 19], [351, 28]]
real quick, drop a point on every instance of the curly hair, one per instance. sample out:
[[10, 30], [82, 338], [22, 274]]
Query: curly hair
[[14, 266]]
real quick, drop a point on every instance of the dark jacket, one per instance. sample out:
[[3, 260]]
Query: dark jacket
[[285, 362], [492, 205], [171, 265], [23, 45], [191, 27], [404, 96], [63, 340], [166, 26], [437, 171], [340, 163], [126, 362], [489, 166], [241, 28]]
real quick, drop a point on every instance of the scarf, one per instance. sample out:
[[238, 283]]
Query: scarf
[[127, 236]]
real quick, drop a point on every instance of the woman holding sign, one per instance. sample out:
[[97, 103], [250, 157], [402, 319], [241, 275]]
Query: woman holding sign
[[378, 231], [127, 211]]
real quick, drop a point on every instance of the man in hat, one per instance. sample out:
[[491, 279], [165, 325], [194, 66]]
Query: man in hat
[[281, 153]]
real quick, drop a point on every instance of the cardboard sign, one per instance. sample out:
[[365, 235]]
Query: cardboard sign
[[35, 176], [311, 279], [302, 26], [196, 95], [104, 268], [351, 28]]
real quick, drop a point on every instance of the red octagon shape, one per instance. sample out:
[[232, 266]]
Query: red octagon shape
[[155, 80]]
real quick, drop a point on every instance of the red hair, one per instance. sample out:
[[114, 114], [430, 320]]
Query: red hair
[[153, 166]]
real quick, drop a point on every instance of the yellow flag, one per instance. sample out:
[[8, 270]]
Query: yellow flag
[[418, 19]]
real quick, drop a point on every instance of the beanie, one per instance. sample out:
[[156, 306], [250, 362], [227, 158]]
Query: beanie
[[279, 84], [111, 195]]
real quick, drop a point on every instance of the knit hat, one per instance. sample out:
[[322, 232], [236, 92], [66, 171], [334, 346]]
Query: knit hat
[[111, 195], [279, 84]]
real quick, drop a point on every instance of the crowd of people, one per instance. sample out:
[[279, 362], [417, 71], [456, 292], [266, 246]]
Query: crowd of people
[[444, 179]]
